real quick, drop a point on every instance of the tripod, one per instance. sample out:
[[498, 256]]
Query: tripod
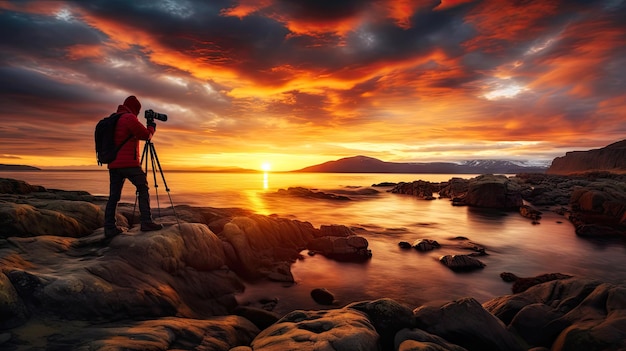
[[149, 153]]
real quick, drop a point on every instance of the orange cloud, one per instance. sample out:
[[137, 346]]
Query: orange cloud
[[499, 22], [245, 8], [589, 46]]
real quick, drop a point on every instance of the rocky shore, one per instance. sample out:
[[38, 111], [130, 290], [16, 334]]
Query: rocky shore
[[62, 289], [594, 202]]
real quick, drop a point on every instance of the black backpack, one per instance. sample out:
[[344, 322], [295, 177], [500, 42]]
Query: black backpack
[[106, 150]]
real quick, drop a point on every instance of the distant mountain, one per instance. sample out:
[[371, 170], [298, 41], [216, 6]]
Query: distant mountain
[[364, 164], [5, 167], [610, 158]]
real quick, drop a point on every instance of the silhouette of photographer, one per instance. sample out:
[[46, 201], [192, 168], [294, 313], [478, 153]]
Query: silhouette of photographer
[[127, 165]]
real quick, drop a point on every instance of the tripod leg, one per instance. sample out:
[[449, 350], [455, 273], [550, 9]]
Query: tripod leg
[[155, 158], [153, 165]]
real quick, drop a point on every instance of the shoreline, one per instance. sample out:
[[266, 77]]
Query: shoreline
[[131, 271]]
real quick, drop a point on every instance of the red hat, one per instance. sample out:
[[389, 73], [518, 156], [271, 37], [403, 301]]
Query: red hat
[[133, 104]]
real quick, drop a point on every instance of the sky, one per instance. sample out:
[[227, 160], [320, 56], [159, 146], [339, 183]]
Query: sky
[[289, 84]]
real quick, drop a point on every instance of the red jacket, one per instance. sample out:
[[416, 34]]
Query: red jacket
[[128, 124]]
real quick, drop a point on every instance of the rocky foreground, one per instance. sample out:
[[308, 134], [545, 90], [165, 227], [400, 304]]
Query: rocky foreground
[[174, 289]]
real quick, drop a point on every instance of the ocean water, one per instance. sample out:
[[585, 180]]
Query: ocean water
[[512, 242]]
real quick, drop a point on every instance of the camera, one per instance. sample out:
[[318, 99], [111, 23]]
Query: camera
[[151, 115]]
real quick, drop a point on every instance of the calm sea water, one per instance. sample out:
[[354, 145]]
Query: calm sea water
[[513, 243]]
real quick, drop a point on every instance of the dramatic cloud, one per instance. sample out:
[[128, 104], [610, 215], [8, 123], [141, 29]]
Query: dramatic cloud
[[302, 82]]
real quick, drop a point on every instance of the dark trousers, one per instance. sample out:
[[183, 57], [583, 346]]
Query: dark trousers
[[117, 176]]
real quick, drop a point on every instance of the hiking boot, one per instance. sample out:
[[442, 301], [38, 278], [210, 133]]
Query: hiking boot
[[109, 233], [150, 226]]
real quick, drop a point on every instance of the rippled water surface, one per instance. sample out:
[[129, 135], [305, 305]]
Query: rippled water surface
[[512, 242]]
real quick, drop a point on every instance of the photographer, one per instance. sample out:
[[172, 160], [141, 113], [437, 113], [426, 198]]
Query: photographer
[[127, 165]]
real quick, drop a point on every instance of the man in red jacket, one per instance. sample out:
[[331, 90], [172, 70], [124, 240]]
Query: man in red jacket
[[127, 165]]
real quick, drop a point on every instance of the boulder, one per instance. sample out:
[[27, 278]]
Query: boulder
[[332, 330], [466, 323], [454, 188], [20, 187], [460, 263], [322, 296], [169, 333], [493, 191], [566, 314], [350, 248], [425, 245], [419, 188], [405, 245], [387, 316], [259, 316], [56, 217], [257, 241], [595, 231], [419, 340], [601, 202]]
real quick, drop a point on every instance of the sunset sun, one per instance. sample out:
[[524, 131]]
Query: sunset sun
[[266, 166]]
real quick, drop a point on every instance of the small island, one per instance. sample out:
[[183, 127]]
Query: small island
[[17, 168]]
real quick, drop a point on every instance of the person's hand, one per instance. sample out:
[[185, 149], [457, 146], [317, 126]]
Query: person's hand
[[151, 123]]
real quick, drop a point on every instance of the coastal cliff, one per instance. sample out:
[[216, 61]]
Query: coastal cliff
[[611, 158]]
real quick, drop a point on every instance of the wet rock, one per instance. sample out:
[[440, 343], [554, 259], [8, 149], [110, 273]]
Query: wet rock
[[459, 263], [384, 184], [601, 202], [595, 231], [419, 188], [466, 244], [466, 323], [530, 212], [322, 296], [259, 316], [425, 245], [454, 188], [523, 284], [351, 248], [576, 314], [493, 191], [335, 230], [405, 245], [310, 194], [387, 316], [595, 199]]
